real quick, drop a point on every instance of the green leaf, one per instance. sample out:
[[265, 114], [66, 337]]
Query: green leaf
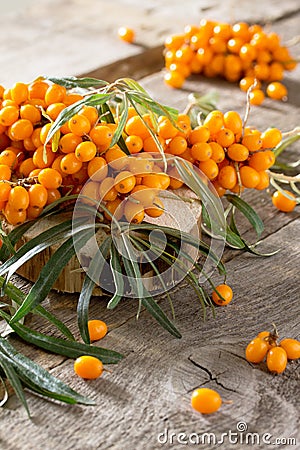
[[50, 273], [247, 211], [122, 121], [146, 300], [14, 293], [94, 272], [39, 379], [155, 310], [14, 380], [73, 82], [116, 269]]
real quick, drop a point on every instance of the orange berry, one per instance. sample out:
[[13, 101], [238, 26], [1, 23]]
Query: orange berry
[[224, 291], [219, 189], [55, 94], [271, 137], [97, 168], [174, 79], [282, 202], [143, 194], [201, 151], [91, 113], [152, 145], [9, 115], [246, 82], [209, 168], [18, 198], [233, 121], [21, 129], [26, 167], [13, 216], [126, 34], [116, 158], [9, 158], [107, 190], [44, 133], [141, 165], [70, 164], [101, 135], [33, 212], [134, 143], [85, 151], [199, 134], [97, 329], [262, 160], [218, 153], [225, 137], [177, 145], [88, 367], [43, 157], [136, 126], [256, 350], [38, 196], [252, 141], [5, 189], [264, 180], [30, 112], [124, 182], [37, 89], [79, 125], [206, 401], [50, 178], [276, 359], [19, 92], [249, 177], [156, 209], [134, 212], [53, 195], [237, 152], [227, 177], [292, 348], [54, 110], [115, 209], [256, 97], [5, 172], [214, 121], [91, 191], [68, 142]]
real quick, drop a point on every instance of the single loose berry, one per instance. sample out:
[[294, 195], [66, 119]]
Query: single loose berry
[[224, 291], [88, 367], [97, 329], [206, 401]]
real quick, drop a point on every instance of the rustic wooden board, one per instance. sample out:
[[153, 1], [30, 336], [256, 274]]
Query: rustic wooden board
[[149, 390]]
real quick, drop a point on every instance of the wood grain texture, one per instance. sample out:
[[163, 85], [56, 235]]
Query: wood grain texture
[[149, 391]]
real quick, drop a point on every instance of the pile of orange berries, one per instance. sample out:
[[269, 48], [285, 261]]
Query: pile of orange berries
[[265, 345], [32, 175], [239, 53]]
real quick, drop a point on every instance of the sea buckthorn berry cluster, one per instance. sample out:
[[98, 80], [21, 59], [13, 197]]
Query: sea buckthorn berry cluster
[[265, 346], [239, 53], [33, 176]]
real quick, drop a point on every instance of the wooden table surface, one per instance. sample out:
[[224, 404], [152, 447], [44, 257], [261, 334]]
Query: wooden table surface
[[145, 398]]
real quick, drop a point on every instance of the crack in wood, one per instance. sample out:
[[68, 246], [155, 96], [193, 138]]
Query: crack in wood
[[211, 377]]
